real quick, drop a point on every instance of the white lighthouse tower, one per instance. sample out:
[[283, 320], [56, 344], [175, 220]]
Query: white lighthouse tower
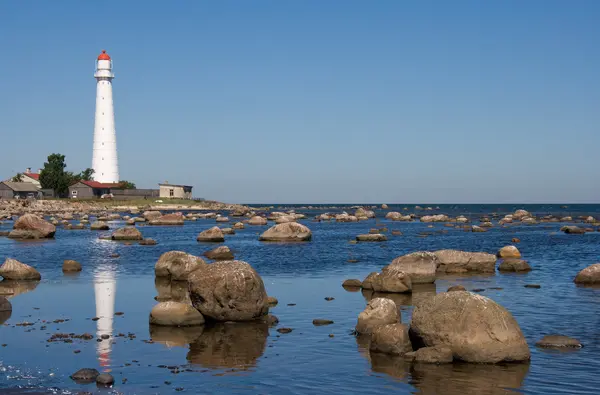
[[104, 162]]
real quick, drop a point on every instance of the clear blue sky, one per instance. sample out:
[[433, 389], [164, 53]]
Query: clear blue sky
[[315, 101]]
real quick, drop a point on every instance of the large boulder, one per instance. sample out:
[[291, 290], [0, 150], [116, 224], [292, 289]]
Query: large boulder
[[475, 328], [168, 219], [379, 312], [392, 279], [520, 214], [589, 275], [127, 233], [99, 225], [421, 266], [285, 219], [291, 231], [175, 314], [367, 283], [177, 265], [345, 217], [256, 220], [228, 291], [509, 252], [12, 269], [34, 225], [222, 253], [151, 215], [454, 261], [391, 339], [212, 235]]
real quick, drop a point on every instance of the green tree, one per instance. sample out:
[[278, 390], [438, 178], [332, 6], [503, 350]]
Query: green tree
[[127, 184], [53, 175], [17, 177], [86, 175]]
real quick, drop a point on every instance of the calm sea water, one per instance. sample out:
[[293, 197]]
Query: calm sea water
[[251, 359]]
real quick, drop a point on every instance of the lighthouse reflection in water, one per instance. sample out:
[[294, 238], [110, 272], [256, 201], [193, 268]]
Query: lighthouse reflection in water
[[105, 288]]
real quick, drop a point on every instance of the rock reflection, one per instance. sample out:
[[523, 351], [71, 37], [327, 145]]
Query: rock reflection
[[453, 379], [175, 336], [419, 293], [4, 316], [105, 288], [171, 290], [11, 288], [463, 378], [235, 345]]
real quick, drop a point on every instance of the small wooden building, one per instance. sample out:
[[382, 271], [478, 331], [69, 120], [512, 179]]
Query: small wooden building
[[174, 191], [91, 189], [19, 190]]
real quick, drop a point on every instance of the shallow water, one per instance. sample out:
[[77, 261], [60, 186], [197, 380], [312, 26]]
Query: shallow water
[[251, 358]]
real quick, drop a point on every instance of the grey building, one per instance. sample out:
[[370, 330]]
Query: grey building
[[19, 190], [175, 191]]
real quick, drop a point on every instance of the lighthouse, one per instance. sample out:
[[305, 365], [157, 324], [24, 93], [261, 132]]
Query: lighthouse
[[104, 159]]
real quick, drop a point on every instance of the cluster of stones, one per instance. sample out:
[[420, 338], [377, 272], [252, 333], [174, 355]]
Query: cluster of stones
[[228, 290]]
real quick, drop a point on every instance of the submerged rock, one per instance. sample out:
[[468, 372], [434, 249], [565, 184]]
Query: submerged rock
[[105, 380], [291, 231], [391, 339], [71, 266], [127, 233], [222, 253], [175, 314], [371, 237], [589, 275], [476, 328], [456, 288], [379, 312], [558, 341], [148, 242], [12, 269], [574, 230], [228, 291], [212, 235], [177, 265], [34, 226]]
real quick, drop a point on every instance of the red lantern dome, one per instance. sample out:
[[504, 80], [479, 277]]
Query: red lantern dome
[[103, 55]]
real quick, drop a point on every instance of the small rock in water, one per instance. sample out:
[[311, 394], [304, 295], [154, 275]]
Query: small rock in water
[[284, 330], [105, 380], [71, 266], [329, 298], [456, 288], [104, 337], [479, 290], [85, 375], [515, 240], [352, 283], [321, 322], [558, 341], [114, 255], [331, 335], [352, 260], [291, 304], [533, 286]]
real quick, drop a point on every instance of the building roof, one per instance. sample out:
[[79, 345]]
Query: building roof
[[175, 185], [21, 186], [35, 176], [101, 185]]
